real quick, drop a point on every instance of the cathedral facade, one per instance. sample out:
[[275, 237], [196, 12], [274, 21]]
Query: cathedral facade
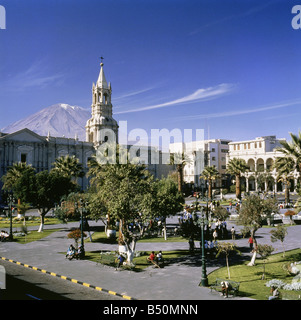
[[41, 151]]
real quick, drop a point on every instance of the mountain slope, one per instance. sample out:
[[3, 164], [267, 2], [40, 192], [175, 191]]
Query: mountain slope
[[59, 120]]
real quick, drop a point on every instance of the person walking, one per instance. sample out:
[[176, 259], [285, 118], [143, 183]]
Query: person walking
[[233, 233], [251, 242]]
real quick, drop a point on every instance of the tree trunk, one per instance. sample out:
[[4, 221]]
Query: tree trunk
[[42, 215], [180, 176], [210, 189], [252, 262], [238, 189], [228, 268], [164, 230], [283, 249], [130, 253], [287, 193], [120, 236]]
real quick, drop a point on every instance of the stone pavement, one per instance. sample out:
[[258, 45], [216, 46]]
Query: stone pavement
[[178, 281]]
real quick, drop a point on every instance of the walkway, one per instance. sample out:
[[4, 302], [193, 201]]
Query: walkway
[[179, 281]]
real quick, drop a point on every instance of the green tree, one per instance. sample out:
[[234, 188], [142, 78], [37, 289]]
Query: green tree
[[69, 167], [210, 173], [226, 248], [254, 211], [167, 199], [50, 187], [23, 185], [220, 213], [124, 191], [292, 149], [180, 160], [264, 250], [14, 173], [285, 167], [279, 233], [237, 167]]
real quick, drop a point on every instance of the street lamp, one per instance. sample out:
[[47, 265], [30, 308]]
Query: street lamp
[[10, 200], [82, 251], [204, 279], [81, 228]]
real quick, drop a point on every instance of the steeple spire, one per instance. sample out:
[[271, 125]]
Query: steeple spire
[[102, 82], [101, 127]]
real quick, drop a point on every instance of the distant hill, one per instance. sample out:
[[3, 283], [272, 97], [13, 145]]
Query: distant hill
[[59, 120]]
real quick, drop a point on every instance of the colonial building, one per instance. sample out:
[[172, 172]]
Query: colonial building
[[200, 154], [260, 154], [42, 151]]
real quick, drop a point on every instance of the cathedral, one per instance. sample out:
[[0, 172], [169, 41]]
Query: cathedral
[[42, 151]]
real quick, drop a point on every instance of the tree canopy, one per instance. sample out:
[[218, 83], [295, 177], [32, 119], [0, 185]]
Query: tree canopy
[[254, 211]]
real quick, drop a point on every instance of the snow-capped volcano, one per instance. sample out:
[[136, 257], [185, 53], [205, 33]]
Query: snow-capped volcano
[[59, 120]]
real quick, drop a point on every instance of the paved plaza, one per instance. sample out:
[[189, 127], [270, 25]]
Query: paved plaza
[[177, 281]]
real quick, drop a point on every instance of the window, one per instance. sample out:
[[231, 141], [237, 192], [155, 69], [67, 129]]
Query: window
[[213, 158], [23, 157], [213, 150]]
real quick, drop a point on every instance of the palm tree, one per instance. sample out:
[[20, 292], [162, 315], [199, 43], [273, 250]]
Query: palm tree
[[266, 179], [210, 173], [293, 150], [69, 166], [10, 179], [180, 160], [14, 173], [237, 166], [285, 167]]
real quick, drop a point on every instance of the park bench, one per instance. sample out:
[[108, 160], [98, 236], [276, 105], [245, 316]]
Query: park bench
[[218, 287]]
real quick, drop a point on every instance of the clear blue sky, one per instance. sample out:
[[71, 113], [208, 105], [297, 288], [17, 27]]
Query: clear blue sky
[[230, 67]]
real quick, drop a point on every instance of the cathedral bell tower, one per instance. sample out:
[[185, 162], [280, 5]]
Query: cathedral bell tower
[[101, 127]]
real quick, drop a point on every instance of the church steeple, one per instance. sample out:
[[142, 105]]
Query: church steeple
[[101, 127], [102, 82]]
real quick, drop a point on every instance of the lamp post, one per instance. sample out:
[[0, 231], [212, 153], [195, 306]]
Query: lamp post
[[204, 279], [11, 200], [81, 228], [82, 251]]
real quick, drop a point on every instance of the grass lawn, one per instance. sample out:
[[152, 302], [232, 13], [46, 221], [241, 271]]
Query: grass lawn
[[102, 238], [30, 221], [141, 263], [33, 236], [251, 284]]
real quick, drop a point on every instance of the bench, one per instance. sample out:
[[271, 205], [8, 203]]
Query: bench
[[234, 286]]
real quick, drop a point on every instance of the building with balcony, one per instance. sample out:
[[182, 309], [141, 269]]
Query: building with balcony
[[260, 154]]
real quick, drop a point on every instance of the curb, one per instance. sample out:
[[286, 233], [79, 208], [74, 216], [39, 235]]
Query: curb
[[69, 279]]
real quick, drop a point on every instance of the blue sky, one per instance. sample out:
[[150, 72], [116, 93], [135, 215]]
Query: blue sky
[[229, 67]]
